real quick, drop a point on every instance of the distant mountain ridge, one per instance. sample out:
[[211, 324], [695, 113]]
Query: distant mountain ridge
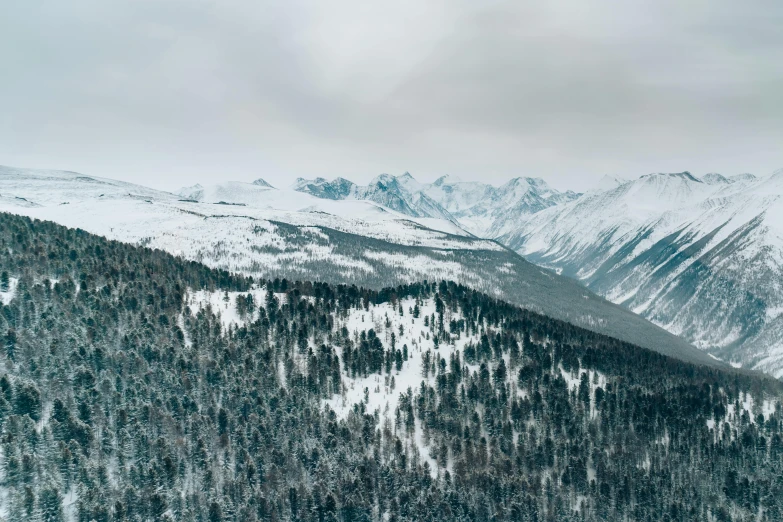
[[396, 193], [338, 188], [478, 207]]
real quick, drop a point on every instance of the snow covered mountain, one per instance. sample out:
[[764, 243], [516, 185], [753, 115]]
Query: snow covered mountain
[[264, 232], [396, 193], [338, 188], [480, 208], [502, 207], [701, 257], [400, 193]]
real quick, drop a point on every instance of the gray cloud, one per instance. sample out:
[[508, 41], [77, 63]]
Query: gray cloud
[[169, 92]]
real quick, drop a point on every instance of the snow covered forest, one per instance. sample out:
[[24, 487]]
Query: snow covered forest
[[139, 386]]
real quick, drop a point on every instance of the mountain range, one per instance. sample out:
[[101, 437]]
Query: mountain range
[[479, 208], [700, 257], [253, 229]]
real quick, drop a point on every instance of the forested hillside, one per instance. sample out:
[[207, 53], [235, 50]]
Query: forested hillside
[[128, 393]]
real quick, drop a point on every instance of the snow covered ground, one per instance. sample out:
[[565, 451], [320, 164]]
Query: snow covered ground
[[10, 292], [380, 393]]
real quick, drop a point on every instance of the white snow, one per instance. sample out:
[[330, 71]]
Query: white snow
[[9, 294], [223, 304]]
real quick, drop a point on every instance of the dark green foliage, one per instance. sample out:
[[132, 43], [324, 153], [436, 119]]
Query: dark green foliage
[[115, 394], [27, 401]]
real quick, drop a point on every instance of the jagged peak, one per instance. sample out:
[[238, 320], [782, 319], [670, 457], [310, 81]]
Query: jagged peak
[[448, 179], [194, 192], [681, 175], [190, 188], [527, 181], [260, 182], [713, 178], [338, 188], [517, 181], [342, 180], [383, 181], [303, 182]]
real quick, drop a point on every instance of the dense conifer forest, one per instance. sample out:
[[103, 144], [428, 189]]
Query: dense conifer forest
[[120, 402]]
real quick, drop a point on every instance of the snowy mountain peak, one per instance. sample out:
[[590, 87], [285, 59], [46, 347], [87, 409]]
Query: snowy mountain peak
[[652, 193], [194, 192], [685, 175], [260, 182], [338, 188], [409, 183], [521, 185], [304, 182], [447, 179], [383, 181], [713, 178]]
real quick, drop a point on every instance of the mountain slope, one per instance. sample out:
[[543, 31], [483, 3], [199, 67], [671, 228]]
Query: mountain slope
[[135, 385], [349, 213], [315, 242], [702, 258]]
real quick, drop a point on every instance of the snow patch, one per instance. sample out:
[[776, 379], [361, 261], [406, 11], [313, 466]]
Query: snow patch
[[8, 295]]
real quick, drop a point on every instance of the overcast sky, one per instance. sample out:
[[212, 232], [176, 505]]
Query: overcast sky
[[173, 92]]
